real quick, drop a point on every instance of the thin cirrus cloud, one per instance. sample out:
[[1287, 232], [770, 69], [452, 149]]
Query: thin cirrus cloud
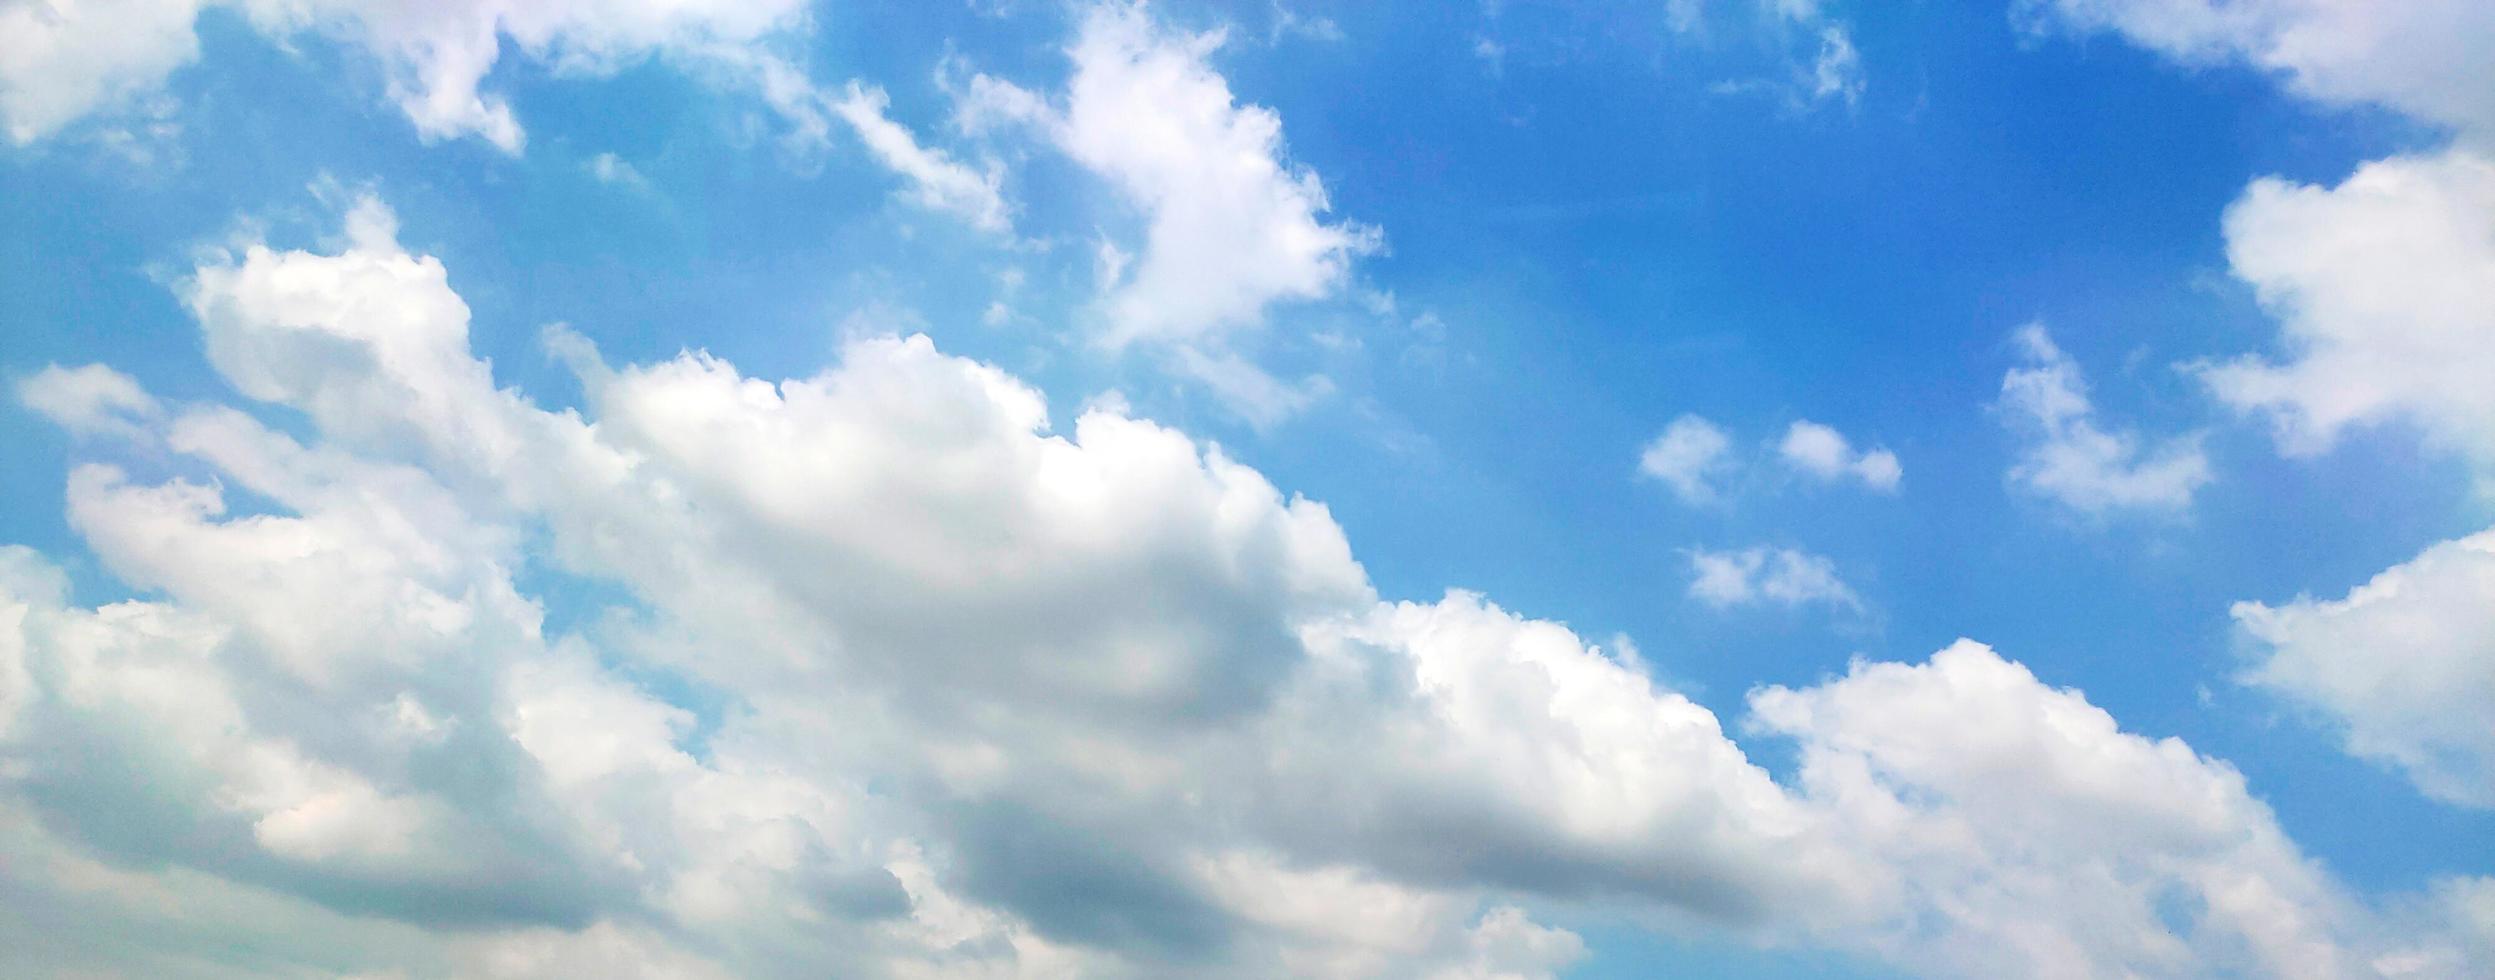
[[1103, 702]]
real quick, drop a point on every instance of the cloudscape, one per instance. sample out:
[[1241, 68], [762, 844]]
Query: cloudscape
[[1094, 488]]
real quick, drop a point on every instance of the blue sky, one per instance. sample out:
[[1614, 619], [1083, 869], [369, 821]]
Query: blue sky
[[1742, 352]]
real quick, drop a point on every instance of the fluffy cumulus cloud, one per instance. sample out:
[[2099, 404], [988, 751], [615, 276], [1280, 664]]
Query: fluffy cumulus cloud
[[2070, 459], [1824, 453], [882, 676], [2018, 831], [1231, 225], [1689, 457], [2404, 665], [2384, 287]]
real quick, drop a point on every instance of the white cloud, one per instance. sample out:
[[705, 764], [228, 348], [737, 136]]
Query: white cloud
[[1250, 392], [999, 701], [60, 61], [1822, 64], [66, 60], [2426, 58], [2384, 284], [1232, 226], [1506, 945], [1724, 579], [938, 182], [1837, 73], [1688, 456], [2073, 462], [2015, 830], [1823, 452], [89, 400], [2384, 287], [608, 168], [2404, 665]]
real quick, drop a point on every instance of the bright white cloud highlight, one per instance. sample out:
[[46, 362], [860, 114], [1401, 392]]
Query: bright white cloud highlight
[[1688, 457], [1824, 453], [2071, 460], [2404, 665]]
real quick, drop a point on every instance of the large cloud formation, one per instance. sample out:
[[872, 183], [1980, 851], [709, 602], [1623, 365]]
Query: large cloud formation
[[2384, 285], [2405, 664], [876, 673], [2384, 289]]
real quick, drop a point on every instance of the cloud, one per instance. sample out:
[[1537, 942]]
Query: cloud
[[1232, 227], [2425, 58], [1824, 453], [2404, 665], [1783, 576], [2384, 287], [63, 62], [69, 60], [1837, 73], [894, 549], [937, 181], [59, 62], [607, 168], [2382, 283], [2073, 462], [89, 400], [900, 682], [1695, 458], [1689, 454], [2015, 829]]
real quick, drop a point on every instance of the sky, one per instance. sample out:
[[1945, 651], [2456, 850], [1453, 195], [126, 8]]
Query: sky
[[1018, 488]]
